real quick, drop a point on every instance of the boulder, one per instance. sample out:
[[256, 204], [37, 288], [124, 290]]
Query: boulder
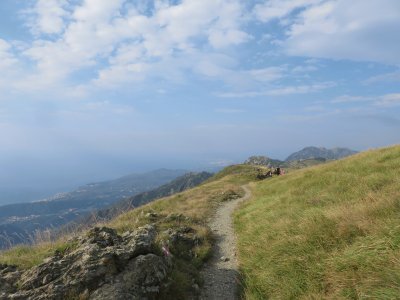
[[142, 278], [181, 241], [104, 265]]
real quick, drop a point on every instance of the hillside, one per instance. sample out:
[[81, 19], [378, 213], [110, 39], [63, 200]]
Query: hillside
[[20, 222], [330, 231], [180, 184], [320, 152], [325, 232], [141, 237]]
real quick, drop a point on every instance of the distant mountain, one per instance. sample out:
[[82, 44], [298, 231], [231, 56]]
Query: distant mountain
[[306, 157], [263, 161], [177, 185], [320, 152], [19, 222]]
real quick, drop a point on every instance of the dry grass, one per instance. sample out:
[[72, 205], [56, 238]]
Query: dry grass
[[28, 256], [192, 208], [197, 204], [326, 232]]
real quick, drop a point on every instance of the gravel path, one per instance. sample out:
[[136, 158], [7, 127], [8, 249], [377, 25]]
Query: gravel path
[[221, 272]]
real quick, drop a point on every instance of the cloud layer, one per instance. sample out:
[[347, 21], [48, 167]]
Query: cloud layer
[[123, 42], [118, 42]]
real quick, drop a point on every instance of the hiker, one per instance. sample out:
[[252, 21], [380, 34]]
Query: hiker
[[278, 171]]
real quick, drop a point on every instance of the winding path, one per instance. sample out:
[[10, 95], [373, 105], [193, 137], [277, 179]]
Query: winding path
[[221, 272]]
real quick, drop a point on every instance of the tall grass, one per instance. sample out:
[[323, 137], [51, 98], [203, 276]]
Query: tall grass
[[326, 232]]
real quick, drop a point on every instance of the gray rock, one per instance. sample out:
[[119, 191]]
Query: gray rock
[[224, 258], [104, 265], [8, 276], [143, 277], [182, 241]]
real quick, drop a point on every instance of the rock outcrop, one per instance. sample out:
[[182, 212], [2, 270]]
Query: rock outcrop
[[263, 161], [99, 265]]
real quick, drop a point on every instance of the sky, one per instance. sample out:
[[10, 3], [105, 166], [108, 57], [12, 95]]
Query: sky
[[91, 90]]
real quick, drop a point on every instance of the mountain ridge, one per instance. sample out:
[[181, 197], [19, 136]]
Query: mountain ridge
[[305, 157], [312, 152], [20, 222], [179, 184]]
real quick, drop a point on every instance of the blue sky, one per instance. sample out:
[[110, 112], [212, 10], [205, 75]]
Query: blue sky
[[95, 89]]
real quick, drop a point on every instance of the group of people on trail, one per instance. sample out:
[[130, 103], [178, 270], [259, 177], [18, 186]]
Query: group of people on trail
[[277, 171]]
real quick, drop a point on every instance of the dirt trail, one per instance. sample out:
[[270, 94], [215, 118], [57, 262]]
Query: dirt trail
[[221, 275]]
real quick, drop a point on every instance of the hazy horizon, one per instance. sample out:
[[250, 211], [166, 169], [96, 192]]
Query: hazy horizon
[[33, 189], [94, 90]]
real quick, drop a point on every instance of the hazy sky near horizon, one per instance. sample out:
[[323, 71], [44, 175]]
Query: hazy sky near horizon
[[95, 89]]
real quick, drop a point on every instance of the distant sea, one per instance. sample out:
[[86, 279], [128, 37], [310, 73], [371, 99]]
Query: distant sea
[[25, 194]]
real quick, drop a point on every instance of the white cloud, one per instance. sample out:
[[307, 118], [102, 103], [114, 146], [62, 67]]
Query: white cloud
[[124, 43], [9, 68], [97, 12], [119, 74], [357, 30], [221, 39], [7, 59], [276, 9], [301, 89], [350, 99], [304, 69], [389, 100], [387, 77], [267, 74], [281, 91], [49, 16]]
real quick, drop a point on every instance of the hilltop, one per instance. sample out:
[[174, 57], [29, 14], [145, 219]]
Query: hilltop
[[320, 152], [261, 160]]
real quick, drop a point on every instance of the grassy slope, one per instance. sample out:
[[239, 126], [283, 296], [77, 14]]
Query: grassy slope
[[331, 231]]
